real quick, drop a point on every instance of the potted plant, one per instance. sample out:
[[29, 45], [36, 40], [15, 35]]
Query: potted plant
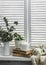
[[18, 40], [7, 36], [20, 43]]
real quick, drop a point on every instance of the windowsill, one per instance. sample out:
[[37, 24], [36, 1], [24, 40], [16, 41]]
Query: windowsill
[[14, 58]]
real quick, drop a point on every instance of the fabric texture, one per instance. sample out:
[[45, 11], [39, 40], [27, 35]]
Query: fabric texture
[[39, 56]]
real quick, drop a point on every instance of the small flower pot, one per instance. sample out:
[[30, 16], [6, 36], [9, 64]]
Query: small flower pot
[[18, 43]]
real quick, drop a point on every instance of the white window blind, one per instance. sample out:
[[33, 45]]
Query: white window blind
[[14, 11], [38, 21]]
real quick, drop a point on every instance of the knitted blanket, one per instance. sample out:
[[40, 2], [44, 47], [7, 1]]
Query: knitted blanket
[[38, 60], [39, 56]]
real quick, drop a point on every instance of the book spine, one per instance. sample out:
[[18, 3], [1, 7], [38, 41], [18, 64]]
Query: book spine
[[19, 51], [22, 52]]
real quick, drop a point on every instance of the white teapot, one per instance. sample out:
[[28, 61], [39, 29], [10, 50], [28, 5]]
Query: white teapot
[[24, 46]]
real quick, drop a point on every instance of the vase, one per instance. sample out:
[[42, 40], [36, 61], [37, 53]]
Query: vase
[[6, 49], [1, 49], [12, 46]]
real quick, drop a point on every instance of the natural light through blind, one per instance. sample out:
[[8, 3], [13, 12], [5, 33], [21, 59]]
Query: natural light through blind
[[14, 11], [38, 21]]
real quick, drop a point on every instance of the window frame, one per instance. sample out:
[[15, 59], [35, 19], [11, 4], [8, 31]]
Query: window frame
[[27, 20]]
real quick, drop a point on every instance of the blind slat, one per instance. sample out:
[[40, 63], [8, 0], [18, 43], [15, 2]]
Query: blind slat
[[38, 22]]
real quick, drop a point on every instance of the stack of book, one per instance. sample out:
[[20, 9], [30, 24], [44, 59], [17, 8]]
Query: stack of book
[[20, 53]]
